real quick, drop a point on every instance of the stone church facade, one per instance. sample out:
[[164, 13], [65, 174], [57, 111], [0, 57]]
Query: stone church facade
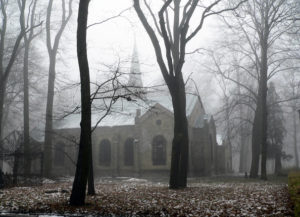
[[137, 141], [144, 147]]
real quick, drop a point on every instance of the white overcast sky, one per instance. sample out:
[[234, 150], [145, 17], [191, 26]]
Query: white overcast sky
[[114, 39]]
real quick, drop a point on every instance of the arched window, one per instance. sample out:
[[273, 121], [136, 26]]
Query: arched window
[[159, 150], [104, 153], [59, 154], [129, 152]]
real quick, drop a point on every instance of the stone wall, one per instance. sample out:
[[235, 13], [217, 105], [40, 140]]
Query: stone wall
[[148, 126], [70, 139]]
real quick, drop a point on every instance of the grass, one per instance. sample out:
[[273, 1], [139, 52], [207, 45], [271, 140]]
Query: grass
[[294, 190]]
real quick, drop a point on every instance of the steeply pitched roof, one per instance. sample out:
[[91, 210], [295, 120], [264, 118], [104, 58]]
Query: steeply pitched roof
[[123, 112]]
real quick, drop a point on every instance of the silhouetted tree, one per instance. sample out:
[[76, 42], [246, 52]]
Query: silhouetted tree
[[176, 35], [84, 155]]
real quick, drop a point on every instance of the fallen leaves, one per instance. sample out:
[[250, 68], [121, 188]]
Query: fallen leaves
[[136, 197]]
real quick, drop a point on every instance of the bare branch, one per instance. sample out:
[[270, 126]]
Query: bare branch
[[206, 14], [153, 16], [153, 38], [108, 19], [165, 36]]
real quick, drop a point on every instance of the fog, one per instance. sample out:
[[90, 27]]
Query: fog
[[217, 81]]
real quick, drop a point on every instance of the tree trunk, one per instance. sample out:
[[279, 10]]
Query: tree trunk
[[2, 100], [91, 186], [49, 119], [2, 97], [27, 41], [180, 144], [295, 136], [242, 166], [27, 166], [278, 165], [259, 132], [83, 163], [255, 144], [2, 93], [264, 90], [16, 167], [228, 134]]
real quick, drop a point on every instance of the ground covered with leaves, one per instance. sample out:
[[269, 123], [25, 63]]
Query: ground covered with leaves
[[139, 197]]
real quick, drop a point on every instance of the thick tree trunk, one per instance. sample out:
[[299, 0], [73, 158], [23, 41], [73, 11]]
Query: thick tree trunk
[[27, 165], [295, 137], [27, 41], [83, 163], [2, 94], [255, 144], [180, 144], [2, 98], [228, 135], [264, 121], [259, 132], [91, 186], [242, 165], [49, 119], [278, 165], [16, 167], [1, 145]]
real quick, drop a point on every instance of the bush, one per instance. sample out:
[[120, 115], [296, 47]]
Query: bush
[[294, 190], [287, 171]]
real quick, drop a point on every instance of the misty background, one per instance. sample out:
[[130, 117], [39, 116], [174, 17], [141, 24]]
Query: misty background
[[214, 59]]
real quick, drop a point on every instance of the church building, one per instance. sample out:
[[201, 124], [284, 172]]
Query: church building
[[137, 140]]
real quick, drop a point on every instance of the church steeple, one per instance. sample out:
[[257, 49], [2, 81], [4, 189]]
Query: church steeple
[[135, 76]]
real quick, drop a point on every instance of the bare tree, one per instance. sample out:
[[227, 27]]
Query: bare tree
[[176, 38], [52, 52], [101, 100], [292, 94], [28, 38], [5, 70], [260, 41], [84, 155], [233, 117], [269, 20]]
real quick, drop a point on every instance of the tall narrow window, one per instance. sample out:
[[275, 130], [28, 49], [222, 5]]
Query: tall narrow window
[[105, 153], [59, 154], [129, 152], [159, 154]]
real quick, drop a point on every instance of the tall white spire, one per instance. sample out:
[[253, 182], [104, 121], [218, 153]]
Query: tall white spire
[[135, 76]]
